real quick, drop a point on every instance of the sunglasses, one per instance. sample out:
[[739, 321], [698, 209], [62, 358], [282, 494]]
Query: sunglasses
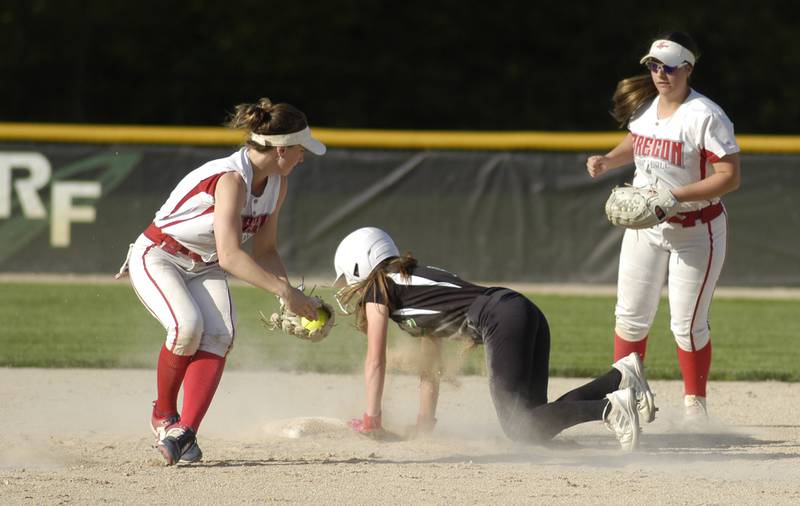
[[658, 67]]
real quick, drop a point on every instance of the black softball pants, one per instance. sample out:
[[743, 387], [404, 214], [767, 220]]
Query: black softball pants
[[517, 345]]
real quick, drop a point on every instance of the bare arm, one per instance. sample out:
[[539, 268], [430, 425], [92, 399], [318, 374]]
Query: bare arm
[[621, 155], [726, 178], [375, 361], [265, 242], [430, 367], [229, 201]]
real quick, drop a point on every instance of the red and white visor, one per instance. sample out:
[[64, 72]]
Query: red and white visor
[[669, 53], [302, 138]]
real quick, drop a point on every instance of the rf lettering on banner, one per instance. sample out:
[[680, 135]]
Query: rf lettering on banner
[[63, 194]]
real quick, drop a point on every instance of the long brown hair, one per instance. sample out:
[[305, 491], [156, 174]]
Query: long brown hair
[[265, 118], [377, 278], [630, 95]]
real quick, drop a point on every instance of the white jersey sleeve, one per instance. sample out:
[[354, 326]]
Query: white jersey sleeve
[[718, 139]]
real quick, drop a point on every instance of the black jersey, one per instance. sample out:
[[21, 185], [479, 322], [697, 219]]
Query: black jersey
[[431, 302]]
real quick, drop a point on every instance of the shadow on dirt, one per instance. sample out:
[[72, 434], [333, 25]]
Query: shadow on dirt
[[595, 451]]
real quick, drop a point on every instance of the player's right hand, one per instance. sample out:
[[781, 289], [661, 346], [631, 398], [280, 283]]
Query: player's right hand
[[597, 165], [298, 303]]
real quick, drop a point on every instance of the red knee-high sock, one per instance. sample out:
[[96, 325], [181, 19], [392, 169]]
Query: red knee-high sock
[[169, 376], [199, 386], [623, 348], [694, 368]]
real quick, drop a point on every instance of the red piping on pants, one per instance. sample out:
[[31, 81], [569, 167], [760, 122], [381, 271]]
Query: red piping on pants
[[703, 287], [144, 264]]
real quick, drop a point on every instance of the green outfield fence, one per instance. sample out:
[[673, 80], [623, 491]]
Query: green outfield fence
[[501, 206], [357, 138]]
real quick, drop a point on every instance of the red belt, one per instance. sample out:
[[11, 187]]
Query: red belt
[[706, 214], [170, 245]]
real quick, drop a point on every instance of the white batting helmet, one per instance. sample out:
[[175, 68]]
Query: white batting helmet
[[359, 253]]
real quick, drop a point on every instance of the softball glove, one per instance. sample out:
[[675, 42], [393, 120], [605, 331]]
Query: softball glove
[[300, 327], [632, 207]]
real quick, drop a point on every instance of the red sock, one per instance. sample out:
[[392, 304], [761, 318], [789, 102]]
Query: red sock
[[694, 368], [623, 348], [169, 376], [199, 386]]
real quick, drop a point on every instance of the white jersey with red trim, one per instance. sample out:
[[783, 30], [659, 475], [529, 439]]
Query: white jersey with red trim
[[678, 150], [188, 214]]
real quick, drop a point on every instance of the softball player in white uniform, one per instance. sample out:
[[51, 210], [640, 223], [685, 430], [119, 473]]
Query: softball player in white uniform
[[179, 265], [681, 140]]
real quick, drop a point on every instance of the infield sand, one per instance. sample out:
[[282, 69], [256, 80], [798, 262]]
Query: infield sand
[[81, 437]]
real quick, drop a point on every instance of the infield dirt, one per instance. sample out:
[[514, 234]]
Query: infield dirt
[[80, 437]]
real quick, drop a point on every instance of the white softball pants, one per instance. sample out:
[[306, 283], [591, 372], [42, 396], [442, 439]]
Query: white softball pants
[[691, 259], [190, 299]]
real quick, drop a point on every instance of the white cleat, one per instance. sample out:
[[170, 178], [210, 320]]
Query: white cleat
[[695, 411], [622, 417], [633, 375]]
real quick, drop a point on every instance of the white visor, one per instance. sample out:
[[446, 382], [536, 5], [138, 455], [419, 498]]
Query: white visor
[[302, 138], [669, 53]]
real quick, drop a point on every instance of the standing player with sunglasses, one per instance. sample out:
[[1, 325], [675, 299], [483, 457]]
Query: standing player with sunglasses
[[680, 140]]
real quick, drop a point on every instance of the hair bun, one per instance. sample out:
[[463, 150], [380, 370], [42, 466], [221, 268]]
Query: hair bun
[[266, 104]]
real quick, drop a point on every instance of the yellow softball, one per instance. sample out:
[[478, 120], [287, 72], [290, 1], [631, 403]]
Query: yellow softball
[[322, 319]]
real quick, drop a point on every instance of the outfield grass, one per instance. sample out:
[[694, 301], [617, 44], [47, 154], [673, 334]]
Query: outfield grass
[[104, 325]]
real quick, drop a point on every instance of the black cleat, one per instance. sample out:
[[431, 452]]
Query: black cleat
[[180, 445]]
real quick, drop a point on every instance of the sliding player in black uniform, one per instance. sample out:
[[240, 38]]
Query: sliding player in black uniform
[[377, 284]]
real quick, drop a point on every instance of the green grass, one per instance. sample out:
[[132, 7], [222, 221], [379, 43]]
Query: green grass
[[99, 325]]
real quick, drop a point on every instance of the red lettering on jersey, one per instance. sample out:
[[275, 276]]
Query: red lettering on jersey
[[676, 155], [657, 147], [665, 149], [636, 141], [252, 224], [648, 143]]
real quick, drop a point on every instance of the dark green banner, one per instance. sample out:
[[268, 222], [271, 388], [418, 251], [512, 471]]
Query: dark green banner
[[500, 216]]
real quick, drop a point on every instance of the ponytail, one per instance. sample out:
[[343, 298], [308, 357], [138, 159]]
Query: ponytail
[[630, 95]]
